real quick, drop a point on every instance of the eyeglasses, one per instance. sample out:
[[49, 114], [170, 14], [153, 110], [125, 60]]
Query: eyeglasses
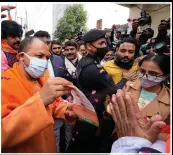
[[152, 73], [151, 77]]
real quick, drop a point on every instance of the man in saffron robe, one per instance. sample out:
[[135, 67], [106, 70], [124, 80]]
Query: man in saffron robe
[[30, 100]]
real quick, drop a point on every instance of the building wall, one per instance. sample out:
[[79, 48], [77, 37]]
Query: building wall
[[58, 12], [99, 24], [135, 12]]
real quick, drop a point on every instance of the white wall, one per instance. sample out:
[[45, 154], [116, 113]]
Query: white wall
[[135, 12]]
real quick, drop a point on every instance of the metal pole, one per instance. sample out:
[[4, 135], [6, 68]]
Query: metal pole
[[16, 13]]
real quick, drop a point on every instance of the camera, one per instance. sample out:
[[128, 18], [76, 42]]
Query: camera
[[145, 48], [79, 36], [145, 19], [164, 24], [29, 33], [147, 33], [161, 47]]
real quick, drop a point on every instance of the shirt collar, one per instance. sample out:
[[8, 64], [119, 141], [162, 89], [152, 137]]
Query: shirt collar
[[163, 96]]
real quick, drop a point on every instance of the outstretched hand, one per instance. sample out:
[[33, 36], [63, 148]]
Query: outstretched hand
[[129, 120], [4, 8]]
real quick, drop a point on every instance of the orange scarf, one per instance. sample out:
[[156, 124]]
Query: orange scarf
[[5, 47]]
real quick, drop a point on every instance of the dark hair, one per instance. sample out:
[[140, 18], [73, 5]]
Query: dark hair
[[42, 34], [11, 29], [70, 43], [57, 42], [111, 49], [162, 60], [127, 40], [80, 44], [26, 42], [148, 32]]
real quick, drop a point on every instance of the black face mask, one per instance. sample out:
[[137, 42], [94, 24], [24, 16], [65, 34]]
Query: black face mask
[[101, 52], [124, 65]]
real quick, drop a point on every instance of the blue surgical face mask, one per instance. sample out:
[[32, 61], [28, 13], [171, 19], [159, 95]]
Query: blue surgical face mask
[[37, 67]]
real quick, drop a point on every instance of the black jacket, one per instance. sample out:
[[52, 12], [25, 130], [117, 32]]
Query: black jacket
[[58, 63], [96, 84]]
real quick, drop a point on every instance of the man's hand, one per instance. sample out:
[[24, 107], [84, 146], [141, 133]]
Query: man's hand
[[135, 24], [4, 8], [130, 76], [123, 111], [53, 88]]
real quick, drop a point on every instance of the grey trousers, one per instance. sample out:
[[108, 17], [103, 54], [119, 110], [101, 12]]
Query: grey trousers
[[68, 132]]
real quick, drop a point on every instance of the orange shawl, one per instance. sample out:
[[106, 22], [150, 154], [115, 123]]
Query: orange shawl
[[26, 124], [16, 89], [5, 47]]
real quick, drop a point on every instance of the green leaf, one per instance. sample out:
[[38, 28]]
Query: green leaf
[[75, 18]]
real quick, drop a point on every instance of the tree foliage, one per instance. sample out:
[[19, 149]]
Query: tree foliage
[[74, 19]]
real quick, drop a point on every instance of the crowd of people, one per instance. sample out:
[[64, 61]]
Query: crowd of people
[[126, 78]]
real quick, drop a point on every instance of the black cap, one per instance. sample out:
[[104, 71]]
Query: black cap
[[93, 35]]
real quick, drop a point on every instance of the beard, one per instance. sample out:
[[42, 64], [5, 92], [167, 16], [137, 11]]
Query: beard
[[15, 46], [123, 63]]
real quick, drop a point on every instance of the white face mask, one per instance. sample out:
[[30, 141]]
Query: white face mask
[[149, 81], [37, 67]]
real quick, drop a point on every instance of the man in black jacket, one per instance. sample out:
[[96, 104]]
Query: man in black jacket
[[98, 87]]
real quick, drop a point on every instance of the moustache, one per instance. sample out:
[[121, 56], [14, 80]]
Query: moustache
[[17, 43], [69, 54], [125, 58]]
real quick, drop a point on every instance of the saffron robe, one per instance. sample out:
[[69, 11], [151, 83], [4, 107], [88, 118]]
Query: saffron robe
[[27, 126]]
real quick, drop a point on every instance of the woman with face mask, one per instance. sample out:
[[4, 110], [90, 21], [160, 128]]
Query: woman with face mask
[[148, 90]]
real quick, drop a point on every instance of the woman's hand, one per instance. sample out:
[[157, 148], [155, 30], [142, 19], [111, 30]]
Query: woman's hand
[[128, 119]]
